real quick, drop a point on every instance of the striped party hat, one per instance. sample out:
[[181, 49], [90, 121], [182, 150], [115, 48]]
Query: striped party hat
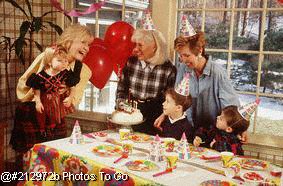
[[247, 110], [186, 29], [76, 137], [147, 21], [183, 88]]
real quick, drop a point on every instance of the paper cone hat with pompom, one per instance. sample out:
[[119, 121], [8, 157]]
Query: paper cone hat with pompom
[[186, 29], [147, 22], [183, 88], [76, 137], [247, 110]]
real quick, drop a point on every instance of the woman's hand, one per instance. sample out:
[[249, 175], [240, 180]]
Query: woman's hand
[[197, 141], [63, 89], [158, 121], [39, 107], [67, 102]]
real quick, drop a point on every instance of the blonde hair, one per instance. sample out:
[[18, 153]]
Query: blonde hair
[[157, 37], [195, 43], [72, 32], [56, 51]]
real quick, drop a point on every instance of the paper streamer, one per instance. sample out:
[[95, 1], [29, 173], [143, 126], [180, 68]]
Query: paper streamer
[[93, 7]]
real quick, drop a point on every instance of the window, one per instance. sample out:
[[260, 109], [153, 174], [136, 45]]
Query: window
[[113, 10], [245, 36]]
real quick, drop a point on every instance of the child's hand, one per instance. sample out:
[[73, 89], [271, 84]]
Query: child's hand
[[158, 122], [67, 102], [243, 137], [197, 141], [212, 143], [39, 107]]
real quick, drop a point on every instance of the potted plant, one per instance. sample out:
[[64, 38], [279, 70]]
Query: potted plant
[[31, 25]]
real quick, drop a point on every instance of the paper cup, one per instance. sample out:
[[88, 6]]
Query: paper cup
[[226, 157], [169, 144], [127, 146], [171, 158], [124, 134]]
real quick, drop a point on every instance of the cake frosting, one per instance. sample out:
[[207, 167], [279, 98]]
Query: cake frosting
[[127, 114]]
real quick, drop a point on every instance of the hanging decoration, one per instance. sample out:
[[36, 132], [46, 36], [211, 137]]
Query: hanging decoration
[[93, 7]]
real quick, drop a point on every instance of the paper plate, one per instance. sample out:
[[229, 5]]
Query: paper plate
[[107, 150], [140, 138], [102, 136], [217, 183], [253, 164], [211, 155], [253, 177], [197, 150], [142, 165]]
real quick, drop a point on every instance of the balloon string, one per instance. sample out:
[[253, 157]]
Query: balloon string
[[93, 7]]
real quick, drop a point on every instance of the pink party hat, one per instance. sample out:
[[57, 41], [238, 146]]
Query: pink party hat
[[183, 88], [247, 110], [147, 21], [157, 138], [76, 137], [187, 29]]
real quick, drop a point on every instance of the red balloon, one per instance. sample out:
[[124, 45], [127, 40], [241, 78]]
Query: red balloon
[[98, 60], [118, 39], [280, 1]]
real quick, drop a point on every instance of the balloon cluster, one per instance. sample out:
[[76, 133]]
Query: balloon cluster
[[110, 54]]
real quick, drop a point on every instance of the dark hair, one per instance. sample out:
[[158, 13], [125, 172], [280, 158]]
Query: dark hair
[[235, 120], [195, 43], [184, 101]]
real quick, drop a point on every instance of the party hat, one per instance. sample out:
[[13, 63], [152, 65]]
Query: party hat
[[187, 29], [76, 137], [147, 21], [183, 88], [183, 148], [247, 110]]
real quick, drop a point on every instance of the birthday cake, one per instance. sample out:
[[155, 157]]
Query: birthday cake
[[127, 113]]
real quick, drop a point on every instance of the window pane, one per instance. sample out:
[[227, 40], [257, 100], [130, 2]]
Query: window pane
[[190, 3], [218, 4], [102, 100], [244, 72], [246, 30], [140, 4], [217, 26], [272, 74], [219, 57], [249, 3], [275, 4], [269, 117], [274, 30]]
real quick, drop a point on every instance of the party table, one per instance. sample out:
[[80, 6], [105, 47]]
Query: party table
[[76, 164]]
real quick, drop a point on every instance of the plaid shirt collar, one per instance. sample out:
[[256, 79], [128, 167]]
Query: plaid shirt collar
[[145, 64]]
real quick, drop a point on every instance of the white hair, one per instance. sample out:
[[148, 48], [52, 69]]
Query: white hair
[[149, 36]]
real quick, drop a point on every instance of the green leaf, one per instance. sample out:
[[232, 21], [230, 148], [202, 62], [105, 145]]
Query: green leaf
[[57, 28], [37, 24], [16, 5], [24, 28], [19, 45], [29, 8], [69, 17], [38, 46]]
